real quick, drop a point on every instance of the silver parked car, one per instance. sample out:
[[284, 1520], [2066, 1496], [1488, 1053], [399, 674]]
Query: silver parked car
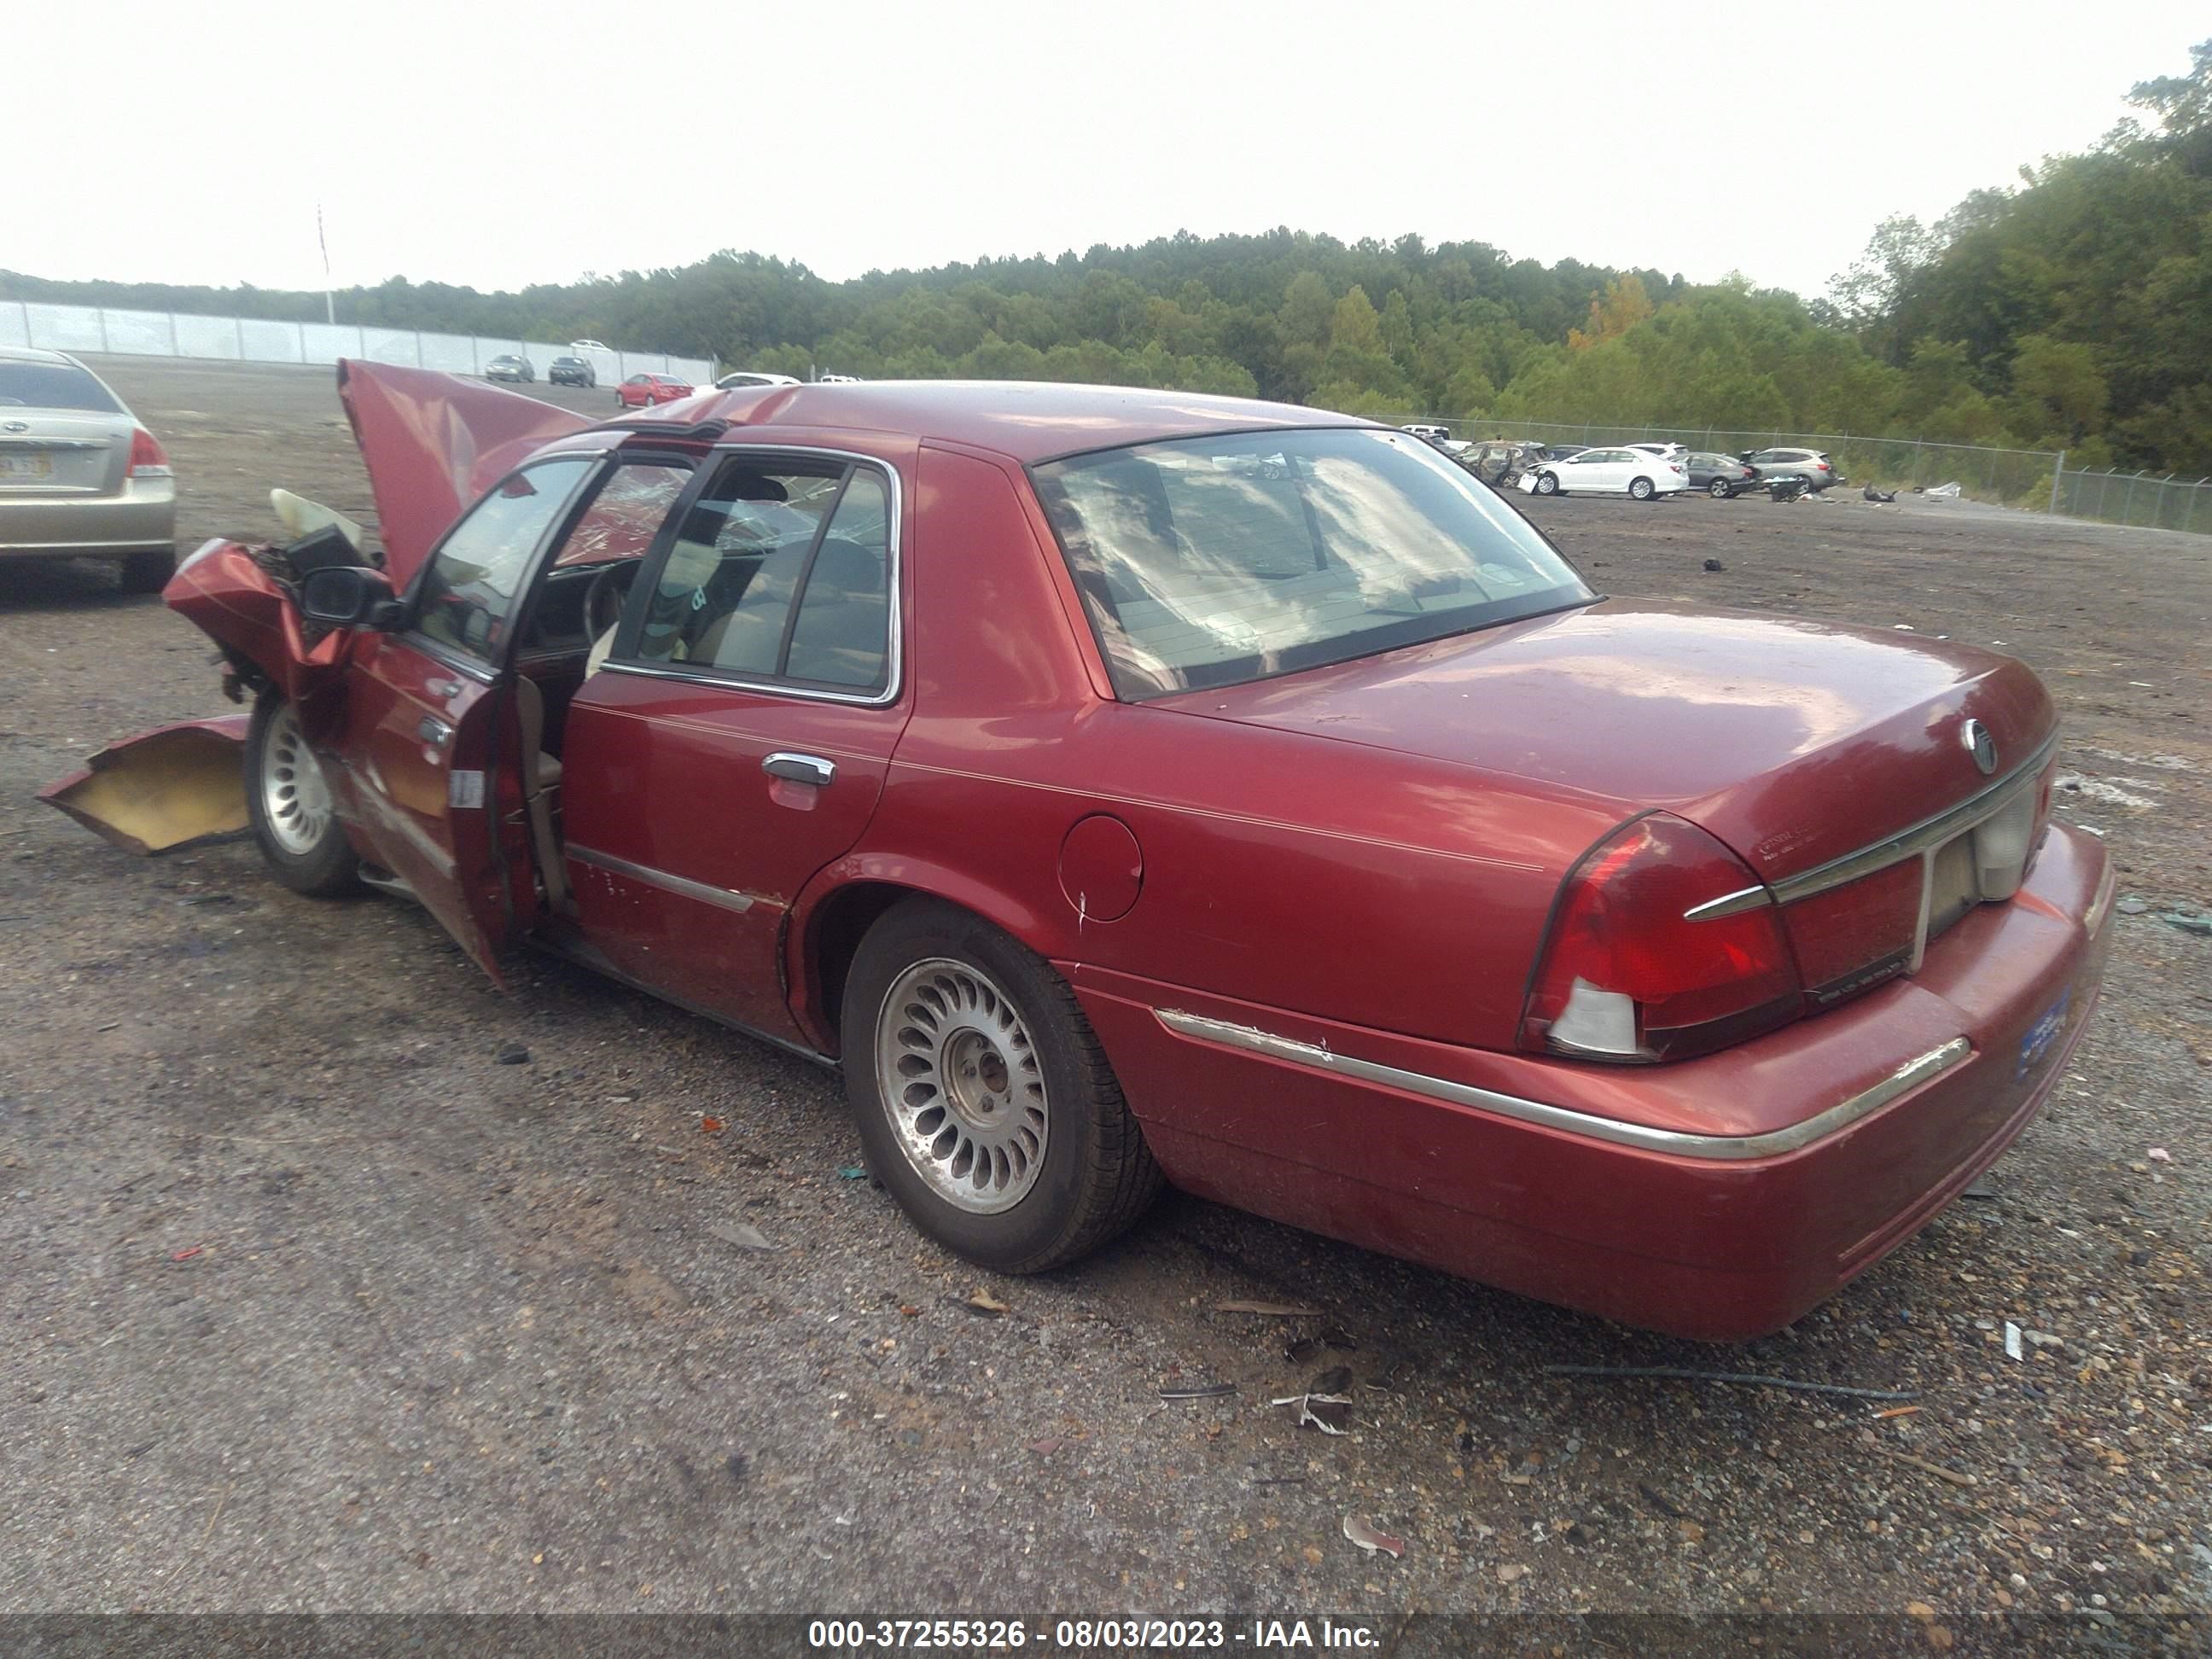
[[79, 475]]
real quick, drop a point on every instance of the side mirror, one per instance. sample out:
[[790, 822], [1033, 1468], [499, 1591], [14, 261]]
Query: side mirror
[[347, 596]]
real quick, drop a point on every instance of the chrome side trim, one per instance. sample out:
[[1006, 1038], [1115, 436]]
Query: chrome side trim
[[682, 886], [1712, 1148], [1922, 837], [1730, 904]]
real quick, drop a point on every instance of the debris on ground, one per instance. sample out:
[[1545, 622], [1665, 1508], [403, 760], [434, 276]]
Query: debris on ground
[[1659, 1501], [1273, 1309], [1926, 1467], [852, 1172], [981, 1301], [2132, 907], [1980, 1188], [1302, 1348], [1200, 1391], [741, 1234], [1678, 1374], [2189, 920], [511, 1053], [1329, 1412], [1942, 492], [1871, 494], [1047, 1446], [2011, 1340], [1370, 1538], [1511, 1574], [1715, 564], [186, 1255], [711, 1126]]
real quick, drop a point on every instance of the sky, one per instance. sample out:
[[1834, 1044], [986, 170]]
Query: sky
[[493, 144]]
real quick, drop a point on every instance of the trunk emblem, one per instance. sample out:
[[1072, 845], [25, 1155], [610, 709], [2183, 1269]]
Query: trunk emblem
[[1980, 745], [16, 426]]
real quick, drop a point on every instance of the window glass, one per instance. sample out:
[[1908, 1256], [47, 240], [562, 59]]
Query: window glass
[[467, 599], [840, 634], [52, 385], [725, 592], [625, 515], [1211, 561]]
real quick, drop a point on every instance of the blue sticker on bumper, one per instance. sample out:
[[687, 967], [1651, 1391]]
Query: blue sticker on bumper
[[2042, 1039]]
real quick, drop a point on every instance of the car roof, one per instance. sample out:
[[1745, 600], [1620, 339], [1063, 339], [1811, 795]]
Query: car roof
[[35, 355], [1027, 420]]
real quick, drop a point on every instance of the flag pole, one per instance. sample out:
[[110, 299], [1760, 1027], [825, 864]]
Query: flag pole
[[329, 310]]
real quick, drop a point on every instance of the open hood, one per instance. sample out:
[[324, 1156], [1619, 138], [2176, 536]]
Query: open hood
[[433, 443]]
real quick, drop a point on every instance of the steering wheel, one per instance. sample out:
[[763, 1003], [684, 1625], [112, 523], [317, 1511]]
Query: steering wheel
[[604, 598]]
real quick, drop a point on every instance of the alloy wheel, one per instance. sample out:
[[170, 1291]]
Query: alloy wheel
[[295, 798], [962, 1082]]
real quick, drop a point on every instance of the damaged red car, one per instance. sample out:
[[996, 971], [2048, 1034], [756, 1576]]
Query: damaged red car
[[1127, 786]]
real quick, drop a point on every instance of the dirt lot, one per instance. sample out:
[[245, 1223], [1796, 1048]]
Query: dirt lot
[[308, 1304]]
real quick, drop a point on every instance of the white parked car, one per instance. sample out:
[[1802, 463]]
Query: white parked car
[[1664, 451], [749, 377], [1633, 472]]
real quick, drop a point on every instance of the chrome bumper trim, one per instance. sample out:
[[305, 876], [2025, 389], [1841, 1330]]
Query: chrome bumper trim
[[682, 886], [1715, 1148], [2101, 905]]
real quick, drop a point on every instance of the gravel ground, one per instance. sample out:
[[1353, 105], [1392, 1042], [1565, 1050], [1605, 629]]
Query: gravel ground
[[310, 1304]]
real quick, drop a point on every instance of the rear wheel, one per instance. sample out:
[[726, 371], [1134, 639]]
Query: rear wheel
[[288, 798], [1640, 489], [981, 1096], [1720, 489], [1547, 483], [149, 572]]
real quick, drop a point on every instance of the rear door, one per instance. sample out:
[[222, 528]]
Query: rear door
[[418, 733], [737, 738]]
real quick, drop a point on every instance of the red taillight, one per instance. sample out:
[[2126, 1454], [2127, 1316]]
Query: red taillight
[[148, 459], [1853, 937], [1644, 963]]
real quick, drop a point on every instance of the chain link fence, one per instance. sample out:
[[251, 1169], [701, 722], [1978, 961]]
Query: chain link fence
[[2017, 477], [2134, 498]]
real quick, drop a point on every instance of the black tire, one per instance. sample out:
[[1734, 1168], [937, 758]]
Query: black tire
[[1640, 489], [329, 868], [1095, 1176], [147, 571], [1720, 489], [1547, 483]]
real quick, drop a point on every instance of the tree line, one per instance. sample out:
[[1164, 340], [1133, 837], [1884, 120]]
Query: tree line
[[2073, 310]]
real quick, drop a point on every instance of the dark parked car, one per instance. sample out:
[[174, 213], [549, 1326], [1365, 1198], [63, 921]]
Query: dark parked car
[[571, 371], [1719, 475], [1811, 464], [1127, 786], [508, 366], [1559, 451]]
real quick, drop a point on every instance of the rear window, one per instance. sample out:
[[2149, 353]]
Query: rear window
[[1211, 561], [54, 386]]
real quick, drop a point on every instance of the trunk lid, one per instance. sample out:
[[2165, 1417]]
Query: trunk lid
[[1794, 742], [52, 451]]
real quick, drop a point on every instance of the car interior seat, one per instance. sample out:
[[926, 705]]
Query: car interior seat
[[541, 779]]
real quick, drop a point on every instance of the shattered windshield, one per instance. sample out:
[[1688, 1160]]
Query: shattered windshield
[[1211, 561]]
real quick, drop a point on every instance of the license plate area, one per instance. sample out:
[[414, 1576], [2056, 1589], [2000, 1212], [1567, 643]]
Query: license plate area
[[2042, 1039], [25, 466]]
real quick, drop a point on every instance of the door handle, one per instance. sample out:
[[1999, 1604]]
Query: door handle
[[432, 731], [800, 769], [442, 688]]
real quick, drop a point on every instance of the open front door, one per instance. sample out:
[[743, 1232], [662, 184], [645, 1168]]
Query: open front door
[[423, 784], [419, 749]]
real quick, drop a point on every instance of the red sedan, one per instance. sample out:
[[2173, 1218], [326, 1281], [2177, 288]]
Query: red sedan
[[644, 391], [1127, 786]]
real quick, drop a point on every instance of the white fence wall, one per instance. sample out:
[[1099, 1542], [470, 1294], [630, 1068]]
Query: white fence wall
[[258, 340]]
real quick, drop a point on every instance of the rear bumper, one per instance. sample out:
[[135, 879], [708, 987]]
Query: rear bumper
[[1719, 1198], [144, 516]]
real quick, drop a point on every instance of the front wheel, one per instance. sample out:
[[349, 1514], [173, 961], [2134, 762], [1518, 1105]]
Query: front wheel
[[288, 798], [1547, 483], [1640, 489], [983, 1100]]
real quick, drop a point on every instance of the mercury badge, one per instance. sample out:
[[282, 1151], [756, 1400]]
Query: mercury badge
[[1980, 745]]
